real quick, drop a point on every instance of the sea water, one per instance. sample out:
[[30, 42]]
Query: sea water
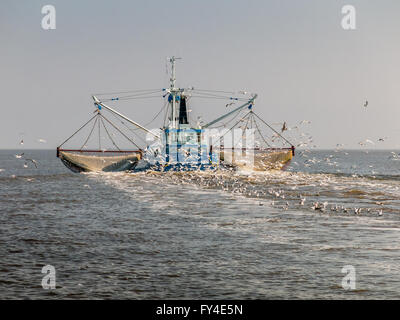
[[221, 235]]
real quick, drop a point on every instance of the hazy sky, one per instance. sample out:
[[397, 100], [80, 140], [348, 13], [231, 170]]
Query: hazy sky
[[294, 54]]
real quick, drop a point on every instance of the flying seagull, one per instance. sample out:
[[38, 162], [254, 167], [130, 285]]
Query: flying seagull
[[33, 161], [366, 103], [363, 143], [284, 127]]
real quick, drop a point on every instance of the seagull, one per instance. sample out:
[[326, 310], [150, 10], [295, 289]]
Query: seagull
[[380, 213], [363, 143], [284, 127], [229, 104], [19, 156], [33, 161], [382, 139], [369, 141], [366, 103], [317, 206], [21, 142], [42, 141]]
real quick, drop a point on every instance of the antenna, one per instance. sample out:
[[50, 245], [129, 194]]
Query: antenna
[[173, 78]]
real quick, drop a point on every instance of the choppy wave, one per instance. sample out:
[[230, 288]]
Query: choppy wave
[[286, 190], [209, 235]]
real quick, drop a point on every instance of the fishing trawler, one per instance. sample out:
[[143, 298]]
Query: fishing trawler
[[180, 145]]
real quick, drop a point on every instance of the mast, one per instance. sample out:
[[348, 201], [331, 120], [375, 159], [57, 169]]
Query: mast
[[173, 92]]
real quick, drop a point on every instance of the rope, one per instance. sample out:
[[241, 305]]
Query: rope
[[105, 128], [273, 130], [123, 92], [91, 131], [259, 131], [130, 129], [224, 124], [77, 131], [99, 133], [218, 91], [219, 140], [219, 98], [133, 98], [121, 132], [249, 116], [155, 117]]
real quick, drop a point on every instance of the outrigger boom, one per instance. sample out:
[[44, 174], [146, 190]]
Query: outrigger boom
[[250, 102], [97, 102]]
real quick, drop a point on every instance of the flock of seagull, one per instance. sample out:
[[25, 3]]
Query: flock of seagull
[[236, 187], [323, 206], [21, 156], [335, 208], [276, 197]]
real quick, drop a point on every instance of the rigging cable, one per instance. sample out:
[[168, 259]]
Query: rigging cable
[[90, 133], [105, 128], [219, 140], [259, 131], [273, 129], [126, 126], [217, 91], [123, 92], [99, 132], [78, 130], [132, 98], [224, 124], [121, 132], [218, 98]]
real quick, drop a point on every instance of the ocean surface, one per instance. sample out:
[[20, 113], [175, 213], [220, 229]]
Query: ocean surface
[[225, 235]]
